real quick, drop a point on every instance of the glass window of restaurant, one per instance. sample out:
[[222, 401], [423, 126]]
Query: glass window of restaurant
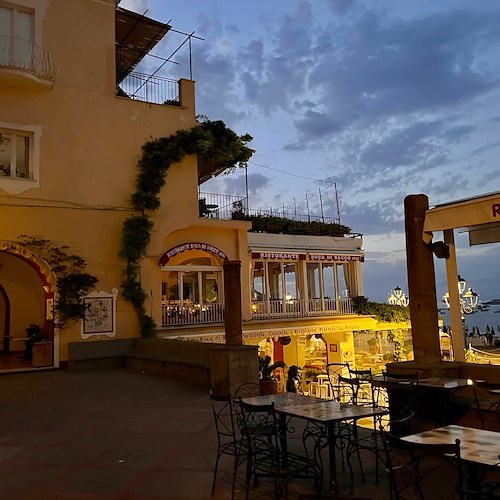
[[275, 281], [326, 281], [192, 285]]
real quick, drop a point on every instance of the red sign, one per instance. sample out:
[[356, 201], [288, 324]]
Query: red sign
[[309, 257], [191, 246]]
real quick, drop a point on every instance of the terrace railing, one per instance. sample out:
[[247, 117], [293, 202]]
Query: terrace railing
[[20, 54], [213, 312], [262, 309], [222, 206], [196, 314], [152, 89]]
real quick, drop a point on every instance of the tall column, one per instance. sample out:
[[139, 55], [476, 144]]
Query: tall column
[[421, 283], [232, 302], [233, 364]]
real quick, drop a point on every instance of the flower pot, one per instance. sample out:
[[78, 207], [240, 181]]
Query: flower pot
[[268, 386]]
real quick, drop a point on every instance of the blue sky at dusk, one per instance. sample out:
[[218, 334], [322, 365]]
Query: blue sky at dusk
[[384, 98]]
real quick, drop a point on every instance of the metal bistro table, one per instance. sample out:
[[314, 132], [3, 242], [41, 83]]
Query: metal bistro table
[[435, 394], [320, 411], [478, 447]]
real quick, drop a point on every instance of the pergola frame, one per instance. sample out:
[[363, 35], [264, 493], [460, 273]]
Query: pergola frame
[[480, 216]]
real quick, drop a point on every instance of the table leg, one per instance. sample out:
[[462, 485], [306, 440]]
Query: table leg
[[283, 440], [334, 487]]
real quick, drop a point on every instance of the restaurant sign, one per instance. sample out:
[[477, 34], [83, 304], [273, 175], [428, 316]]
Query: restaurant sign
[[312, 257], [191, 246]]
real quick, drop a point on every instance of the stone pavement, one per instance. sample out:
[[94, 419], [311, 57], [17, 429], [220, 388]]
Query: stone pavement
[[118, 435]]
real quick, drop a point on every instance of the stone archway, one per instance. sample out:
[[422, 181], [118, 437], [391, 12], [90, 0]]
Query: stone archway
[[27, 288]]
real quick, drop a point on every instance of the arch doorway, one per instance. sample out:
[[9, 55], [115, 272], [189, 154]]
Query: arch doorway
[[192, 285], [26, 299]]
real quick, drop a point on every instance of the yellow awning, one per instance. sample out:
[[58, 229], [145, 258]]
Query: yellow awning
[[466, 213]]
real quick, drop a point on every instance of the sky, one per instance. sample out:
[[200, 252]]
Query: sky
[[379, 99]]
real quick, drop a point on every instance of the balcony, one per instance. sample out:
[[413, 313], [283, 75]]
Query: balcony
[[227, 207], [213, 312], [24, 63], [151, 89], [192, 314], [301, 308]]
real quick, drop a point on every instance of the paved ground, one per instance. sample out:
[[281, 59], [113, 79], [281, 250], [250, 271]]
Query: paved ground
[[117, 435]]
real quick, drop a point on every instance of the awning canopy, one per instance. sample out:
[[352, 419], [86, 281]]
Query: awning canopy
[[480, 215], [135, 36]]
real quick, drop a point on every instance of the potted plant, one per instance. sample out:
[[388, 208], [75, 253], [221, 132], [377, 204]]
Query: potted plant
[[268, 384], [237, 212]]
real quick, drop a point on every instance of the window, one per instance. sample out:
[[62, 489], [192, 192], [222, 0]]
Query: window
[[19, 157], [16, 38], [15, 155]]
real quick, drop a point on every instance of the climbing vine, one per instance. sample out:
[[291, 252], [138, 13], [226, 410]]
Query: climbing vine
[[383, 312], [214, 143], [73, 283]]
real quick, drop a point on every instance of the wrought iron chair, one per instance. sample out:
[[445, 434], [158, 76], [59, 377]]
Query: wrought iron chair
[[261, 428], [229, 441], [334, 370], [418, 467], [365, 378], [487, 403], [354, 392]]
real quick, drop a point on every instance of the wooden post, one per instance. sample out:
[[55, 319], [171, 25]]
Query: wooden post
[[421, 283], [232, 303]]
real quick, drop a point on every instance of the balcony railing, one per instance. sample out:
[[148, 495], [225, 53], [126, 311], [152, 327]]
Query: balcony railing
[[152, 89], [16, 53], [213, 312], [301, 308], [222, 206], [210, 312]]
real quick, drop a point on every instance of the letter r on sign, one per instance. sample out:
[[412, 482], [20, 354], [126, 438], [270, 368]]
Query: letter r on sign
[[495, 209]]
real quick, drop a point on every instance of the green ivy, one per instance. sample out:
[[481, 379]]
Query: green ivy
[[281, 225], [214, 143], [72, 282], [383, 312]]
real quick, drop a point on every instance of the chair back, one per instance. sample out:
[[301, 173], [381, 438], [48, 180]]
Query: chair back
[[222, 410], [365, 374], [259, 426], [348, 389], [411, 471], [487, 404], [247, 390], [410, 377], [334, 371]]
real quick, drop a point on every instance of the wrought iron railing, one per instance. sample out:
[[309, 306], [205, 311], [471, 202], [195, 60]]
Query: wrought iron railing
[[300, 308], [17, 53], [147, 88], [223, 206], [213, 312], [209, 312]]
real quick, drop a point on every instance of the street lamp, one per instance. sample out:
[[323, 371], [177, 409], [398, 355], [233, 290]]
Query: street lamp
[[467, 297], [398, 298]]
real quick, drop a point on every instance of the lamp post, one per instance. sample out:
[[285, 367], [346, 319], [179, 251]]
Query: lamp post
[[398, 298], [468, 300]]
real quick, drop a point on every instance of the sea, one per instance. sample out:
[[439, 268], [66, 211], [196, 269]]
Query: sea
[[486, 315]]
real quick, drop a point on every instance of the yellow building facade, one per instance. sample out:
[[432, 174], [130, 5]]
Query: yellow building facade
[[72, 126]]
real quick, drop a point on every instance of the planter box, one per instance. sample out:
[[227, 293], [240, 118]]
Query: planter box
[[42, 354]]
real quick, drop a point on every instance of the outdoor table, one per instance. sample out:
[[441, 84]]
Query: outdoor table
[[319, 411], [478, 447], [438, 392]]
